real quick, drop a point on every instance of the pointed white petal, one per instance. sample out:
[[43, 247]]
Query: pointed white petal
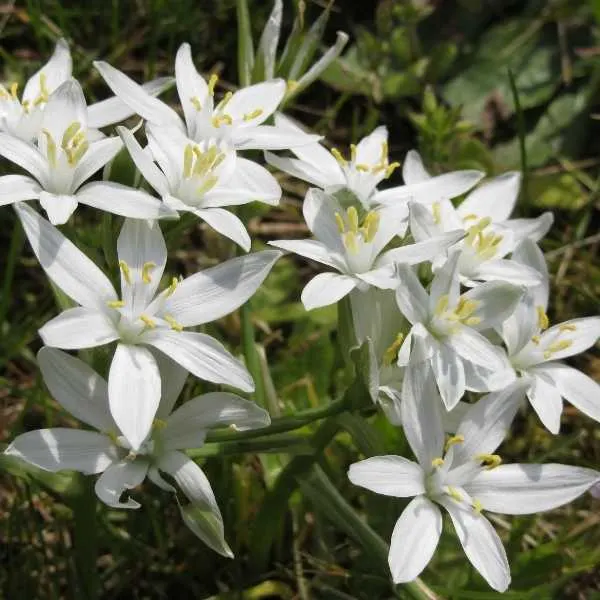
[[302, 170], [368, 150], [138, 99], [496, 301], [227, 224], [72, 271], [97, 155], [522, 325], [389, 475], [65, 106], [480, 379], [65, 449], [133, 391], [58, 207], [15, 188], [528, 253], [325, 289], [413, 170], [173, 377], [187, 426], [414, 540], [532, 229], [77, 387], [581, 333], [546, 401], [449, 374], [413, 254], [481, 544], [312, 249], [78, 328], [495, 198], [422, 224], [119, 477], [264, 96], [522, 489], [446, 282], [215, 292], [25, 155], [190, 85], [383, 278], [267, 47], [411, 297], [319, 211], [505, 270], [203, 356], [55, 71], [475, 348], [268, 137]]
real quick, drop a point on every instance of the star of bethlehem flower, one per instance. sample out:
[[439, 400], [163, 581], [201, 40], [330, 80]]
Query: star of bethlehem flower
[[484, 215], [366, 167], [141, 320], [22, 117], [238, 118], [535, 349], [352, 243], [83, 393], [464, 476], [64, 159], [202, 178], [449, 325]]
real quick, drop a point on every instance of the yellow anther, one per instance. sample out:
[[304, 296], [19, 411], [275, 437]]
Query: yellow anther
[[172, 287], [542, 317], [391, 353], [224, 101], [437, 462], [74, 155], [350, 241], [370, 226], [489, 461], [436, 209], [567, 327], [391, 168], [384, 152], [536, 339], [70, 132], [253, 115], [173, 323], [158, 424], [454, 493], [50, 147], [115, 304], [218, 120], [477, 506], [338, 156], [207, 185], [212, 81], [151, 323], [472, 321], [470, 217], [340, 222], [362, 167], [44, 93], [353, 219], [557, 347], [14, 87], [455, 439], [188, 161], [353, 152], [442, 305], [196, 103], [126, 271], [146, 268], [473, 233], [3, 94], [465, 307], [26, 106]]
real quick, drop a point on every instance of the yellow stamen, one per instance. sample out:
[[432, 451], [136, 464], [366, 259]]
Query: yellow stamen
[[436, 209], [126, 271], [567, 327], [115, 304], [338, 156], [196, 103], [172, 287], [44, 93], [340, 222], [454, 493], [353, 152], [207, 185], [391, 168], [353, 218], [543, 321], [26, 106], [70, 132], [218, 120], [148, 321], [76, 154], [477, 506], [146, 268], [384, 152], [50, 147], [470, 217], [391, 353], [465, 307], [489, 461], [224, 101], [472, 321], [211, 83], [188, 161], [362, 167], [437, 462], [350, 241], [557, 347], [173, 323], [536, 339], [370, 226], [253, 115], [14, 87], [455, 439], [442, 305]]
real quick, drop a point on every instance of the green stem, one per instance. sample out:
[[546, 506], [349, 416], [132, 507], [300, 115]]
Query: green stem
[[291, 444], [251, 355], [14, 251], [521, 133]]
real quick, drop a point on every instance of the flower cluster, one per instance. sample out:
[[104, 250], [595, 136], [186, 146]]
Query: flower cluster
[[449, 297]]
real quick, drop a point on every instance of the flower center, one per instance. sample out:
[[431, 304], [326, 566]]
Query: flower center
[[484, 245], [382, 166], [448, 320]]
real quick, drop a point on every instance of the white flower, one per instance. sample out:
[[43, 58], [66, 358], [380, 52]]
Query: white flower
[[535, 349], [82, 392], [449, 324], [141, 320], [64, 159], [202, 178], [22, 117], [237, 119], [366, 167], [353, 245], [464, 476], [484, 216]]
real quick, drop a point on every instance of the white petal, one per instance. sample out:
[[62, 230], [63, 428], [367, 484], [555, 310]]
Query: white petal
[[496, 301], [446, 282], [215, 292], [25, 155], [319, 210], [77, 387], [546, 402], [74, 273], [422, 224], [449, 374], [481, 544], [368, 150], [389, 475], [64, 449], [265, 96], [522, 325], [507, 271], [411, 297], [227, 224], [528, 253], [475, 348], [65, 106], [494, 199], [78, 328], [173, 377], [133, 391], [413, 254], [268, 137], [312, 249], [414, 540], [582, 333], [413, 170], [142, 248], [15, 188], [325, 289], [119, 477], [138, 99], [267, 47], [480, 379], [527, 489], [203, 356], [532, 229], [190, 84], [576, 387], [187, 426], [55, 71], [58, 207], [302, 170], [97, 155]]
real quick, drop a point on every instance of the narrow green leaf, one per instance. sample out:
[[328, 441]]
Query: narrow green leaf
[[245, 44]]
